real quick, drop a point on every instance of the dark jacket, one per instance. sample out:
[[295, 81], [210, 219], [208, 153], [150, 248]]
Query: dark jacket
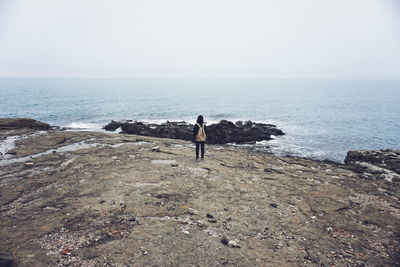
[[196, 130]]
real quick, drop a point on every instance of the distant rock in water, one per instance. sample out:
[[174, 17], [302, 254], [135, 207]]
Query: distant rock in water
[[11, 124], [375, 164], [219, 133], [112, 126]]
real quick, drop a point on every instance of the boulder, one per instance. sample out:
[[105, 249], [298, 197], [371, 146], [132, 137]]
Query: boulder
[[219, 133], [112, 126], [18, 123]]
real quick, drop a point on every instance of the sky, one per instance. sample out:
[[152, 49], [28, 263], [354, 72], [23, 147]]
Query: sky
[[272, 39]]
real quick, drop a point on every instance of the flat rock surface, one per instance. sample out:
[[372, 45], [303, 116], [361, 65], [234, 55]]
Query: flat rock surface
[[98, 199]]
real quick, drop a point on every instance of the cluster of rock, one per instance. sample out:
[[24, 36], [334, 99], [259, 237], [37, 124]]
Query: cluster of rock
[[18, 123], [375, 164], [219, 133]]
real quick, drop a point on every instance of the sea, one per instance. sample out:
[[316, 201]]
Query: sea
[[322, 119]]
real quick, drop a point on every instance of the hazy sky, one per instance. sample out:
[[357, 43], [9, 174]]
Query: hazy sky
[[352, 39]]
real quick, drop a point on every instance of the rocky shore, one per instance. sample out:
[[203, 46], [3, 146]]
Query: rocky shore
[[218, 133], [104, 199]]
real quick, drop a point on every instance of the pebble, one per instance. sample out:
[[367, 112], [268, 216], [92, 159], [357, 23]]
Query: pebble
[[212, 220], [174, 165], [210, 216], [186, 232], [273, 205], [231, 243], [114, 157], [155, 149]]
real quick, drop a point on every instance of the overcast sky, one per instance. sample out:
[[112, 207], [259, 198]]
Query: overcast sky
[[350, 39]]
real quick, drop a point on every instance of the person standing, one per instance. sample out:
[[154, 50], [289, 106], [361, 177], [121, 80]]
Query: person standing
[[199, 136]]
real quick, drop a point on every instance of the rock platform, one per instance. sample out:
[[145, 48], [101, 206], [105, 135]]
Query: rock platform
[[105, 199]]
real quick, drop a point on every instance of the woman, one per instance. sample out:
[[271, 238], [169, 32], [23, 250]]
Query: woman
[[199, 136]]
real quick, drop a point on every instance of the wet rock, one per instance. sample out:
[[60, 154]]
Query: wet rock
[[10, 124], [6, 259]]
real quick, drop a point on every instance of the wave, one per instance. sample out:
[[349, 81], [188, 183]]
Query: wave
[[84, 126]]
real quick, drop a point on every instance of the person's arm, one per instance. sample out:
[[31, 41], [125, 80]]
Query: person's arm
[[195, 131]]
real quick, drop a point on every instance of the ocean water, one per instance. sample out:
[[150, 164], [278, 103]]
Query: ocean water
[[322, 119]]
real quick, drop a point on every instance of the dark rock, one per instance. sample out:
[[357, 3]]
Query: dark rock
[[388, 158], [10, 124], [131, 218], [112, 126], [273, 205], [224, 240], [375, 164], [6, 259], [210, 216], [219, 133], [212, 220]]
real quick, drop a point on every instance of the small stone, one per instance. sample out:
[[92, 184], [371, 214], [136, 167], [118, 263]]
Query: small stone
[[186, 232], [174, 165], [226, 209], [155, 149], [212, 220], [102, 201], [210, 216], [131, 218], [28, 163], [273, 205], [233, 244], [114, 157], [224, 240]]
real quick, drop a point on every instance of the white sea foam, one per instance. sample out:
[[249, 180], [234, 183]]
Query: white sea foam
[[84, 126]]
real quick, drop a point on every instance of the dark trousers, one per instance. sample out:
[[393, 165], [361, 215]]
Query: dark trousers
[[198, 144]]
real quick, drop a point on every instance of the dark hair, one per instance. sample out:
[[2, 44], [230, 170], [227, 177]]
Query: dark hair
[[200, 120]]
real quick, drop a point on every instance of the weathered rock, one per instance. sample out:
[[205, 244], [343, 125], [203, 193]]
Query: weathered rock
[[375, 164], [388, 158], [11, 124], [219, 133]]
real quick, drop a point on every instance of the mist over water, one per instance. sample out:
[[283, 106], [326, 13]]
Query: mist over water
[[323, 119]]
